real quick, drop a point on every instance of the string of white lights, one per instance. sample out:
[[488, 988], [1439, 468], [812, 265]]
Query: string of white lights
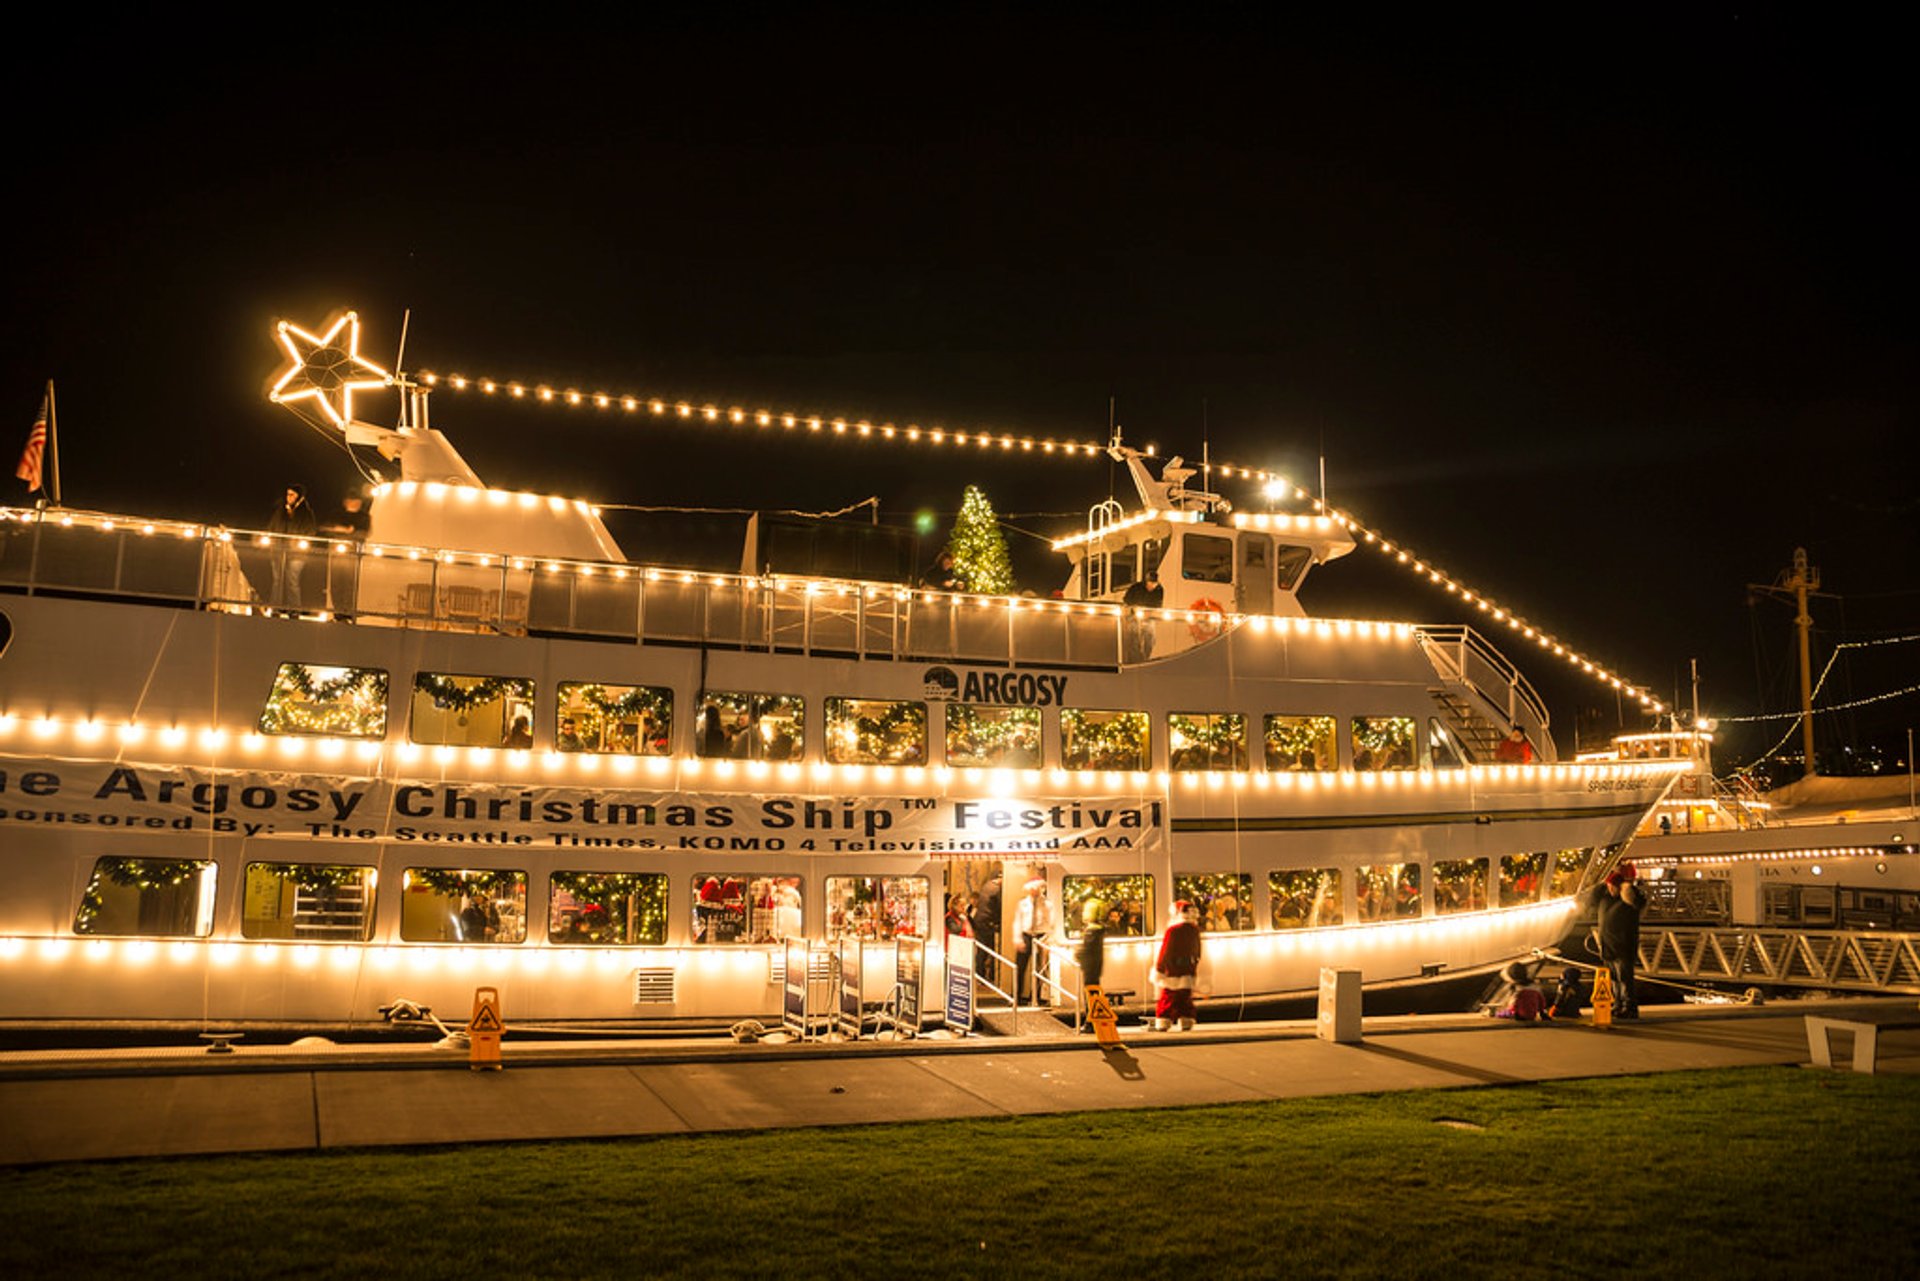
[[829, 426]]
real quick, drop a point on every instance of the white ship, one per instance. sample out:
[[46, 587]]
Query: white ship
[[484, 747]]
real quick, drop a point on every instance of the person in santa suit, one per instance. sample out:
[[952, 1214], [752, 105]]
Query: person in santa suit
[[1176, 969]]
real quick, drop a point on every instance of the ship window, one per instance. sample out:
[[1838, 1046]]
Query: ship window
[[877, 907], [1459, 885], [736, 908], [1223, 899], [1521, 876], [993, 737], [1306, 898], [473, 711], [1382, 742], [1386, 891], [1105, 740], [1207, 559], [871, 731], [1442, 750], [636, 720], [607, 909], [751, 727], [1125, 902], [148, 897], [339, 702], [1300, 743], [1289, 562], [474, 906], [1206, 741], [1568, 867], [311, 902], [1125, 567]]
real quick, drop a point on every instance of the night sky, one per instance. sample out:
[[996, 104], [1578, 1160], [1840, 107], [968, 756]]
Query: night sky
[[1605, 315]]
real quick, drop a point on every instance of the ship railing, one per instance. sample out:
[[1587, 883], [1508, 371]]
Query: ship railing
[[1741, 799], [1498, 691], [1855, 960], [93, 554]]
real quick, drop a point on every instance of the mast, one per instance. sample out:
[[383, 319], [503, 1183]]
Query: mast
[[1803, 578]]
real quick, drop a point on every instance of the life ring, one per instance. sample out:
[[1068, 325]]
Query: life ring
[[1205, 629]]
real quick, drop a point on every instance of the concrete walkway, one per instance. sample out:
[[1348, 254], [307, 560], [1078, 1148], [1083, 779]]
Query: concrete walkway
[[89, 1105]]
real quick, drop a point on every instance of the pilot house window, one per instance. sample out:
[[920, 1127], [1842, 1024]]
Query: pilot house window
[[473, 711], [1207, 559]]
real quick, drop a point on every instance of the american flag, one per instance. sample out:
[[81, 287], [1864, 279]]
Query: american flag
[[29, 468]]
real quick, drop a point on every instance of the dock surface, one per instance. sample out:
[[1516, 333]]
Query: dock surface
[[77, 1105]]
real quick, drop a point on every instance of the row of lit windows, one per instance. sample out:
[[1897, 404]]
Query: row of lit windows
[[328, 902], [498, 712]]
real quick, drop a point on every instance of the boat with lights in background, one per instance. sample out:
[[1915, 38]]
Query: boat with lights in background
[[481, 746]]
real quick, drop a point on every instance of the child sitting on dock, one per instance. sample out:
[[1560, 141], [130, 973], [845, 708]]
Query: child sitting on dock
[[1529, 1003], [1566, 997]]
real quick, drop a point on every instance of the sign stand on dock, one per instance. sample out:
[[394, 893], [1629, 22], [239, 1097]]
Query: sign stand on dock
[[484, 1030]]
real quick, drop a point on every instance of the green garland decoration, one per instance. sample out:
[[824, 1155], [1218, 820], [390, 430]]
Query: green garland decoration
[[316, 876], [456, 694], [451, 881]]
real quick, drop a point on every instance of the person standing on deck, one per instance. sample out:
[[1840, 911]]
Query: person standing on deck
[[1032, 923], [1147, 594], [1617, 904], [1514, 749], [985, 917], [292, 521], [1093, 943], [1177, 969]]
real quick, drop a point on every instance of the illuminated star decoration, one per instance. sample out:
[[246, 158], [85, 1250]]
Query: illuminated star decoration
[[325, 370]]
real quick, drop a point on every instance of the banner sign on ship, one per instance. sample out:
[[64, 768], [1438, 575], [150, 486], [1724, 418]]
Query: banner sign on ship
[[255, 803]]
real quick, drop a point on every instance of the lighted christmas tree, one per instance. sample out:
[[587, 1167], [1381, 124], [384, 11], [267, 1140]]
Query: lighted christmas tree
[[979, 548]]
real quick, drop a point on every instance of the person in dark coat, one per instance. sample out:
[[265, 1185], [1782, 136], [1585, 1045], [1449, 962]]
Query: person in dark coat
[[1617, 904], [1566, 996], [1145, 594], [292, 521], [986, 928]]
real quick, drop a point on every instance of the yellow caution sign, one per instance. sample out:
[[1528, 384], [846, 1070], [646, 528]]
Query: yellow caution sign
[[1602, 998], [1106, 1026], [484, 1029]]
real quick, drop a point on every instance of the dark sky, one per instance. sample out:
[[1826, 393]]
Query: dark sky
[[1607, 314]]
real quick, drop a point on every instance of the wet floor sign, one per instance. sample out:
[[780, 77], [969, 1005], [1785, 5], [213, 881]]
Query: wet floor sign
[[484, 1029], [1106, 1027], [1602, 999]]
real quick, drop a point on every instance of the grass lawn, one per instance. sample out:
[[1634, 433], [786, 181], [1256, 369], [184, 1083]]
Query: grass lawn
[[1751, 1172]]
